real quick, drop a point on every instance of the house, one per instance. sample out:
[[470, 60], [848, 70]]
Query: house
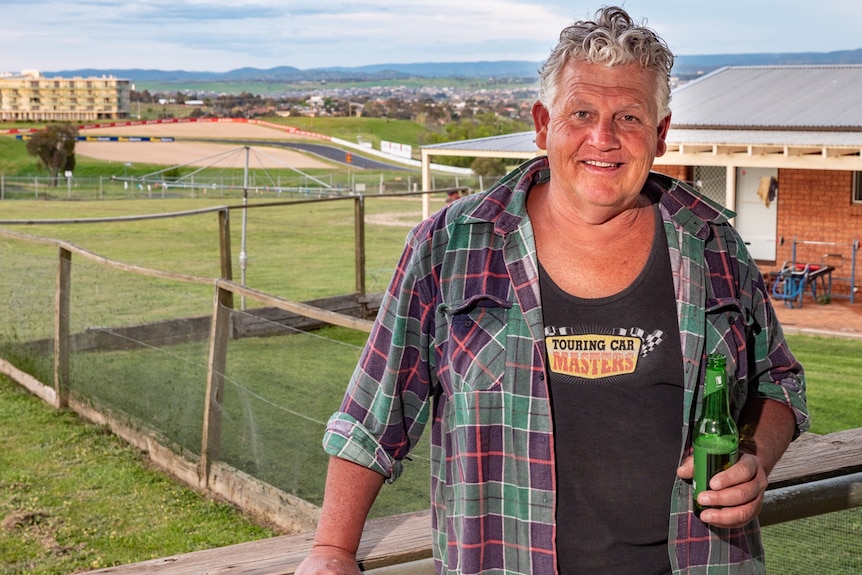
[[779, 145]]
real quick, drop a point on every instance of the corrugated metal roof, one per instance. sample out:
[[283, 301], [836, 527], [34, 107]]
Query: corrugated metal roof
[[765, 138], [772, 97], [524, 142]]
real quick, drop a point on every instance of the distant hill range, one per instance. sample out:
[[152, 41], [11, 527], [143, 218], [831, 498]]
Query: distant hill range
[[683, 66]]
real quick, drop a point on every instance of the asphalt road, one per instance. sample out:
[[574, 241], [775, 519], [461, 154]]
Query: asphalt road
[[330, 153]]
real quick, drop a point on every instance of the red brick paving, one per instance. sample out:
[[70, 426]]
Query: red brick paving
[[837, 318]]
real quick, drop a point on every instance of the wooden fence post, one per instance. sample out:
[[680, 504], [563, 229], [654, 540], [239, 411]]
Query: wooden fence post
[[61, 328], [224, 248], [219, 337]]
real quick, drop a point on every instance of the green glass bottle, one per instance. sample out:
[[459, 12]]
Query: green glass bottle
[[716, 438]]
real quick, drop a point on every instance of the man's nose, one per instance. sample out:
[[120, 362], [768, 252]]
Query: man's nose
[[603, 134]]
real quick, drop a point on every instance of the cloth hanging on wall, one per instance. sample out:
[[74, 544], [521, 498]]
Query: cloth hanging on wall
[[767, 190]]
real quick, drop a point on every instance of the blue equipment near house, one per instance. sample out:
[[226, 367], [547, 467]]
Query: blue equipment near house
[[790, 282]]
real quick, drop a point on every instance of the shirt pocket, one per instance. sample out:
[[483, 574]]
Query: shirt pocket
[[474, 349], [728, 326]]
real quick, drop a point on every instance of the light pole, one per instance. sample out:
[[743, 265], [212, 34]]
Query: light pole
[[243, 255]]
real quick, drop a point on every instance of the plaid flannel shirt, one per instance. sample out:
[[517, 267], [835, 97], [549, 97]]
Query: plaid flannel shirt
[[459, 340]]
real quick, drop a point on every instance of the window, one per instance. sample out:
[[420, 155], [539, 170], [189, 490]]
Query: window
[[857, 187], [712, 182]]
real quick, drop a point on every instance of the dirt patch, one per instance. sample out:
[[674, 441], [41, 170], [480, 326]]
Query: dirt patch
[[38, 525], [196, 154], [220, 130], [181, 152], [21, 519]]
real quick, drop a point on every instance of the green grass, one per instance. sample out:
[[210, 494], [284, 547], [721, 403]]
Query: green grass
[[824, 543], [832, 368], [14, 159], [283, 243], [368, 129], [163, 386], [75, 497]]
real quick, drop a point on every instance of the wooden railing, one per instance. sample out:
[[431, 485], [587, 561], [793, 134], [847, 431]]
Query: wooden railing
[[818, 474]]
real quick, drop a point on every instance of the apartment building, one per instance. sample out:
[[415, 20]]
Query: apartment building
[[29, 96]]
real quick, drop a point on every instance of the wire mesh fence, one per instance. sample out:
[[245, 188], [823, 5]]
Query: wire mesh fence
[[279, 393], [27, 294], [139, 345], [829, 543], [224, 184], [141, 350]]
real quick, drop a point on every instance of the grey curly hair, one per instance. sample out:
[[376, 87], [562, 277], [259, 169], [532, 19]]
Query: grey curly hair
[[613, 39]]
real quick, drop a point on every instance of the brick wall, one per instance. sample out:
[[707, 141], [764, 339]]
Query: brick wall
[[816, 206], [813, 206], [679, 172]]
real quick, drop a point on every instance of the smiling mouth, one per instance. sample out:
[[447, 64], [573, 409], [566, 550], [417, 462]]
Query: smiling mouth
[[601, 164]]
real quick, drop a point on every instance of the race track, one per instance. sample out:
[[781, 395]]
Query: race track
[[220, 144]]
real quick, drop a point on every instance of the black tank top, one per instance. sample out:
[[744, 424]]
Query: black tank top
[[616, 383]]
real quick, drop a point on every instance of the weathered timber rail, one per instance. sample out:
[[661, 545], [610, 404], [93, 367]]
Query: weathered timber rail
[[405, 540]]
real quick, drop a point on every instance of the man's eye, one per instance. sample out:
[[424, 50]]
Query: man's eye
[[580, 114]]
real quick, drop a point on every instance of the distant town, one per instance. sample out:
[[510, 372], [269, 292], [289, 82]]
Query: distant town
[[429, 93], [427, 105]]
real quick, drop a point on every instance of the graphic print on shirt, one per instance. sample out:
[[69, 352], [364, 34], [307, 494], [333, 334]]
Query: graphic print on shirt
[[597, 353]]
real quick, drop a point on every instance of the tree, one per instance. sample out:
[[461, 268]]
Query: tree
[[480, 126], [488, 167], [55, 148]]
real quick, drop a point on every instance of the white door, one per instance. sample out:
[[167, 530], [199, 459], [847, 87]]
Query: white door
[[757, 213]]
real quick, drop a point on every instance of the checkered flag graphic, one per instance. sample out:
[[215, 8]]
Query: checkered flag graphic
[[651, 341]]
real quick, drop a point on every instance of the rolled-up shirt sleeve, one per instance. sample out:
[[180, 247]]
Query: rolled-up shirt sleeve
[[348, 439], [386, 406]]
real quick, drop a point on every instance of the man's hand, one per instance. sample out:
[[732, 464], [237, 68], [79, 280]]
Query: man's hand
[[326, 560], [735, 496]]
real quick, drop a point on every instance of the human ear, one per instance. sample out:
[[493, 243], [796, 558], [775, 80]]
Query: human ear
[[662, 129], [541, 119]]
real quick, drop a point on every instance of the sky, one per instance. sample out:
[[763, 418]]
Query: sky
[[223, 35]]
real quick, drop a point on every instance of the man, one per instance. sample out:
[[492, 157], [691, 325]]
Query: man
[[554, 331]]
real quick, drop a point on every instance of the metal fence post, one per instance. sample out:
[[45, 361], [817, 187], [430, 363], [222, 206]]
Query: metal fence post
[[359, 242]]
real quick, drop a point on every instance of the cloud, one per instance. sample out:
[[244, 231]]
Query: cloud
[[220, 35], [446, 30]]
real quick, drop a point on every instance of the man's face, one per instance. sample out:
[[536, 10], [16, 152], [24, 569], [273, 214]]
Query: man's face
[[602, 134]]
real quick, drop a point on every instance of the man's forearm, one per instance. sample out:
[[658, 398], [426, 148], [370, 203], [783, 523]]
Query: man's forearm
[[350, 491], [766, 428]]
